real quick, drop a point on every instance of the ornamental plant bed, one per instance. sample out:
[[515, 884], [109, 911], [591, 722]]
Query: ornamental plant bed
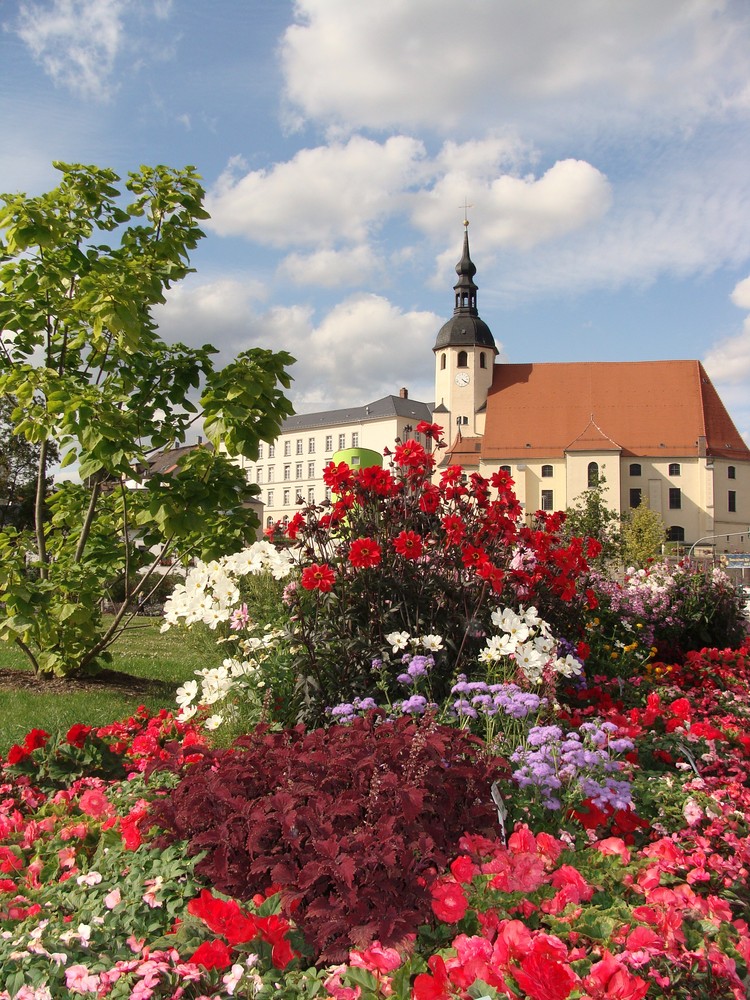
[[93, 904]]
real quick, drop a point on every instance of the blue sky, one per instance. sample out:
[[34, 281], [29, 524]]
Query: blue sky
[[603, 147]]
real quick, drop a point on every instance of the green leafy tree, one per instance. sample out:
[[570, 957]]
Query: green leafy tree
[[643, 534], [80, 269], [19, 465], [590, 516]]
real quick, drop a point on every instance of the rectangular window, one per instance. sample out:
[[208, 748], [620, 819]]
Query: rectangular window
[[287, 449], [342, 441], [328, 493], [299, 446], [298, 470], [287, 472], [259, 474], [287, 494], [329, 442], [311, 494], [546, 472], [635, 497], [732, 501], [547, 501], [355, 439], [675, 498], [311, 470], [271, 473], [260, 450], [311, 446], [272, 451], [270, 498]]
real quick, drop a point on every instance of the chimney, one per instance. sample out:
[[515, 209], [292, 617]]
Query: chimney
[[403, 393]]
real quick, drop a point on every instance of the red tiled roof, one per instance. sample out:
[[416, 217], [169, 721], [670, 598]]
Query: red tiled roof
[[644, 408]]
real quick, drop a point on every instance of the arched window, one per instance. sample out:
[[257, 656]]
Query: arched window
[[505, 468], [546, 471], [731, 472], [463, 360], [443, 361], [482, 360], [269, 521], [676, 534], [593, 474], [635, 469], [674, 468]]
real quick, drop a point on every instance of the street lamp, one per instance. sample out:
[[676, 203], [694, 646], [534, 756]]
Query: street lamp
[[722, 534]]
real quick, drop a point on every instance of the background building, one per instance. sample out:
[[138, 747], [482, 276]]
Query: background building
[[652, 429], [290, 471]]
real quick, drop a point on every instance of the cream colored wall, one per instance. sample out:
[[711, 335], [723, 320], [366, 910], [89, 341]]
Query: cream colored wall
[[373, 434]]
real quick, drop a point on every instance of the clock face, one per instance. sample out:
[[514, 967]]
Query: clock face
[[463, 378]]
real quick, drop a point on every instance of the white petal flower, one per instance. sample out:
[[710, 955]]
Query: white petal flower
[[186, 693], [432, 642], [213, 721], [399, 640]]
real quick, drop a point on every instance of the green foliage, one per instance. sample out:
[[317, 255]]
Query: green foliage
[[19, 466], [643, 534], [81, 358], [590, 516]]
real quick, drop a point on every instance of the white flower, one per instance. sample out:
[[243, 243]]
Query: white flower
[[186, 693], [569, 667], [89, 878], [499, 646], [399, 640], [185, 713], [431, 642], [213, 721]]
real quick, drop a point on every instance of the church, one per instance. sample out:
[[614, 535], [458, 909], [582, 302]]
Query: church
[[653, 430]]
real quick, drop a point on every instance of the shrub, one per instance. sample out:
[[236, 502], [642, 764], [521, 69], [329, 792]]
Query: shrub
[[354, 823]]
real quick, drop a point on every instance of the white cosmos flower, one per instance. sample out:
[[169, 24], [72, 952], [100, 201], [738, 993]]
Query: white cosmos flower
[[186, 693], [186, 712], [399, 640], [213, 721], [431, 642]]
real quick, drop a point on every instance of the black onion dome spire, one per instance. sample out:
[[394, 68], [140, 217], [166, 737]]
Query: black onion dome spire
[[465, 328]]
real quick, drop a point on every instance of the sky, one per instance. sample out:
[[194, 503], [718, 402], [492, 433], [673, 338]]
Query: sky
[[599, 148]]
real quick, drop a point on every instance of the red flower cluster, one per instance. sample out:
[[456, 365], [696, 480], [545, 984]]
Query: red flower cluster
[[237, 926]]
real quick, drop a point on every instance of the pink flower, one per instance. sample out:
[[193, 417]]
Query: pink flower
[[448, 901], [376, 958], [112, 899], [78, 979], [95, 803]]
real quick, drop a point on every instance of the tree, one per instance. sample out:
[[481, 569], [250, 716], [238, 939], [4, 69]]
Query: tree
[[590, 516], [643, 534], [80, 269], [19, 461]]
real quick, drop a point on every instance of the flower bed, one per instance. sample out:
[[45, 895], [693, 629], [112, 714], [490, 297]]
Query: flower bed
[[647, 901]]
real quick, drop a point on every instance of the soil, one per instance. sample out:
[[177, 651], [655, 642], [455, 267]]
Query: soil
[[110, 680]]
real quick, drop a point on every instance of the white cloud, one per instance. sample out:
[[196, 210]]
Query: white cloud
[[333, 268], [75, 41], [407, 63], [520, 211], [741, 294], [325, 193], [362, 348], [729, 360]]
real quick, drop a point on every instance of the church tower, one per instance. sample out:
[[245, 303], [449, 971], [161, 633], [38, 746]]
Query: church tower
[[465, 355]]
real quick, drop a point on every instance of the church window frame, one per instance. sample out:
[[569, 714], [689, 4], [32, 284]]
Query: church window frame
[[462, 359]]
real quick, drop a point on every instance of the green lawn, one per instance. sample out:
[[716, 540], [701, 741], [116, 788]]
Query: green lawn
[[169, 658]]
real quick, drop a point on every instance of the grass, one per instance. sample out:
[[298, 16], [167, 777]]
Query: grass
[[142, 653]]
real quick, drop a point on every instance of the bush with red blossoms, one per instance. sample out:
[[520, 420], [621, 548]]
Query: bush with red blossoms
[[400, 549]]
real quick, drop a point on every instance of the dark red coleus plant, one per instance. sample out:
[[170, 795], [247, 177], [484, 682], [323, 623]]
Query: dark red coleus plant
[[354, 822]]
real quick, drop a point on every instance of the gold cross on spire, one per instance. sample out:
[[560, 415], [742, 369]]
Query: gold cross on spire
[[466, 206]]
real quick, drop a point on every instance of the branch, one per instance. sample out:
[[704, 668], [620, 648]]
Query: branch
[[41, 492], [88, 522]]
